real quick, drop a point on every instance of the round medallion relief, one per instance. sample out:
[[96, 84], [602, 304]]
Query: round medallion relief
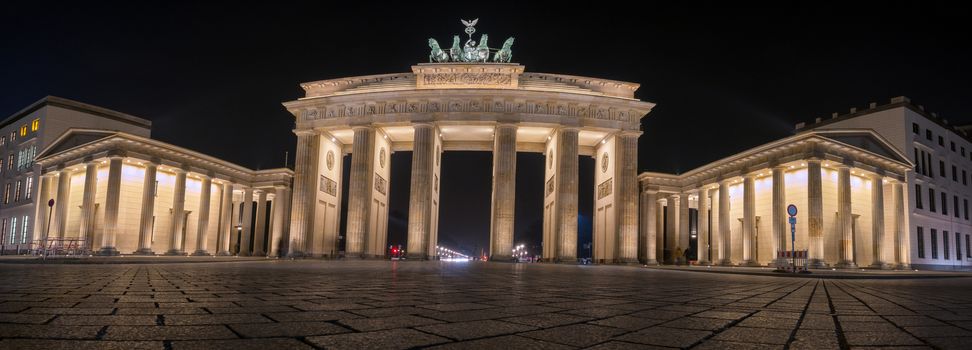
[[330, 160], [381, 157], [604, 162]]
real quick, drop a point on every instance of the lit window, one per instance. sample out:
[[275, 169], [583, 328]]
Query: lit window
[[23, 130], [23, 235], [3, 140], [6, 194], [17, 192], [13, 227], [28, 187], [34, 125]]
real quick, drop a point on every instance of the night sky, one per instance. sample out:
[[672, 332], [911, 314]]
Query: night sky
[[212, 77]]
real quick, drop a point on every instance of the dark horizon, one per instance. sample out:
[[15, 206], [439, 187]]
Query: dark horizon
[[726, 77]]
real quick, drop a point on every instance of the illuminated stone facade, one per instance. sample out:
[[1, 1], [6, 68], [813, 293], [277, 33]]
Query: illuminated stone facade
[[464, 106]]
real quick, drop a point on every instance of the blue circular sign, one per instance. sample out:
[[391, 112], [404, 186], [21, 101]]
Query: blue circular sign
[[791, 210]]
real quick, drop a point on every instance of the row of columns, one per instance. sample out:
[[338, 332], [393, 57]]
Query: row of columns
[[560, 245], [61, 193], [723, 240]]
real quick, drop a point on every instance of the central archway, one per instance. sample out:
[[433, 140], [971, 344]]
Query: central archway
[[491, 107]]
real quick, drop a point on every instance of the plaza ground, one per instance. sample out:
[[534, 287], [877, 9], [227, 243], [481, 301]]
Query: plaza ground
[[310, 304]]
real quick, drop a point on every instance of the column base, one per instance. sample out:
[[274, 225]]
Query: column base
[[902, 266], [244, 254], [725, 262], [651, 262], [750, 263], [703, 263], [144, 251], [817, 264], [296, 254], [108, 251], [629, 261], [223, 253], [259, 253], [200, 252], [175, 252], [846, 265], [880, 265]]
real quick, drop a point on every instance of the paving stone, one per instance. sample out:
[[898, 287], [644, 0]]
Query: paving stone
[[625, 322], [580, 335], [755, 335], [31, 344], [547, 320], [25, 318], [185, 320], [311, 316], [708, 324], [111, 320], [378, 323], [475, 329], [880, 338], [728, 345], [503, 342], [287, 329], [241, 344], [48, 331], [168, 333], [664, 336], [380, 340], [815, 339]]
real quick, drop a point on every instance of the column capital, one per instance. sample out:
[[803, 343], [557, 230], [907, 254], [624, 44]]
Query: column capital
[[305, 132], [116, 154], [423, 124], [630, 133], [569, 128], [358, 127], [780, 167], [506, 124]]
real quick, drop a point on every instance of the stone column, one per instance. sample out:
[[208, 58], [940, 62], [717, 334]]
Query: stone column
[[684, 226], [703, 227], [280, 199], [877, 221], [361, 190], [112, 201], [845, 248], [42, 211], [420, 192], [649, 202], [671, 228], [779, 213], [900, 238], [626, 170], [815, 222], [88, 203], [260, 233], [225, 220], [305, 191], [566, 192], [178, 213], [61, 203], [725, 228], [749, 221], [504, 190], [246, 224], [659, 231], [202, 226], [147, 218]]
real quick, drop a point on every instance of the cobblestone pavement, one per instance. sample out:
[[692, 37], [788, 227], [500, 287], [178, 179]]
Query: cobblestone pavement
[[386, 305]]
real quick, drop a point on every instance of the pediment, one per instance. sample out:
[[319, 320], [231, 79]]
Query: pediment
[[74, 138]]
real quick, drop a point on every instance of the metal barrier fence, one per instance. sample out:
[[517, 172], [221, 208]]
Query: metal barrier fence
[[792, 261]]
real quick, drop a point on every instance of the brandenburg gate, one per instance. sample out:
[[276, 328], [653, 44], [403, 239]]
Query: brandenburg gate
[[461, 101]]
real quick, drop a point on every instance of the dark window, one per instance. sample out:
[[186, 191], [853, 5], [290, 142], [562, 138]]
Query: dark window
[[958, 246], [934, 244], [928, 134], [918, 196], [965, 208], [941, 168], [944, 203], [941, 141], [968, 246], [931, 200], [929, 171], [954, 174], [921, 242], [965, 178], [955, 207], [917, 162], [915, 128], [963, 151], [945, 243], [952, 146]]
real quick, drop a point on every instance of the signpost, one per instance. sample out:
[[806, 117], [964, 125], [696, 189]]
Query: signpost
[[792, 211], [50, 213]]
